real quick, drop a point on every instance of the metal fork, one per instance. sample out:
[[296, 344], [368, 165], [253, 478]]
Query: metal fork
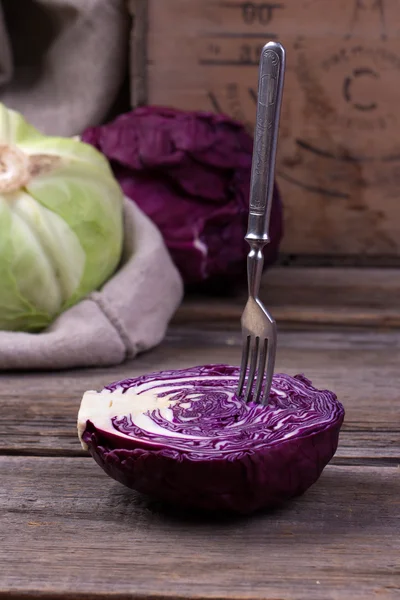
[[258, 326]]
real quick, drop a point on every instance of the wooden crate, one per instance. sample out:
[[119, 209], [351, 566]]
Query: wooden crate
[[339, 153]]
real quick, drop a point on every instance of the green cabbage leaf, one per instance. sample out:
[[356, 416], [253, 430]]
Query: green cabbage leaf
[[61, 227]]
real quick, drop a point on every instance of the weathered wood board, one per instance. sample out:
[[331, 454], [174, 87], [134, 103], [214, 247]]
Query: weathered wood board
[[339, 152], [361, 367], [310, 297], [69, 532]]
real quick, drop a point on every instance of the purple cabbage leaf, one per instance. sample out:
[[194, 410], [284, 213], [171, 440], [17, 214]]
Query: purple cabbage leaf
[[185, 437], [190, 173]]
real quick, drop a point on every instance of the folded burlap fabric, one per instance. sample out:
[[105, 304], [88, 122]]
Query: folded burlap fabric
[[62, 62], [128, 315]]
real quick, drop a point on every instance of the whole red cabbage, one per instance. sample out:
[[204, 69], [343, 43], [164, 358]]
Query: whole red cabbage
[[190, 173], [203, 447]]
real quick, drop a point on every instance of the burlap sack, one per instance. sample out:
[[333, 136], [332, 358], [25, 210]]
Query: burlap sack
[[62, 62], [127, 316]]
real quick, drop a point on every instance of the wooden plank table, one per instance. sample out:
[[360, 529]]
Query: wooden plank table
[[67, 531]]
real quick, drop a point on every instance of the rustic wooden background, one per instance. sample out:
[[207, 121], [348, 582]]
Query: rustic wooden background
[[339, 152]]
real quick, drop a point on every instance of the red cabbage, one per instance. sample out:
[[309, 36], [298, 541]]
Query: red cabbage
[[190, 173], [195, 444]]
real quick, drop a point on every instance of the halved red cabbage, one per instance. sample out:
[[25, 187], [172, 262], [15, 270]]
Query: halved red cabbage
[[185, 437]]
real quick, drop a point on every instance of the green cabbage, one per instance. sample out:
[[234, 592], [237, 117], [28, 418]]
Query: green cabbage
[[61, 226]]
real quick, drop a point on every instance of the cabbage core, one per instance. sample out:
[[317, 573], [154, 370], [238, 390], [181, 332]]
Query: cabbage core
[[14, 168]]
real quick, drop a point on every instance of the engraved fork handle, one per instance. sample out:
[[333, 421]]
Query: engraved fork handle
[[270, 91]]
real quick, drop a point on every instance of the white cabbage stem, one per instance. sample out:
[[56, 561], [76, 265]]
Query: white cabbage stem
[[14, 169]]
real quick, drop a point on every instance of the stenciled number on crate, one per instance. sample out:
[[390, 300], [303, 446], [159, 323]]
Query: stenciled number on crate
[[250, 53], [259, 12], [254, 16]]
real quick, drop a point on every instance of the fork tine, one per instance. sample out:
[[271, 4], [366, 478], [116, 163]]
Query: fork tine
[[243, 366], [252, 370], [271, 351], [260, 371]]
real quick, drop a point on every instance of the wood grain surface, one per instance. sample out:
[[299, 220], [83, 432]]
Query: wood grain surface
[[359, 366], [70, 531], [313, 297], [67, 531]]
